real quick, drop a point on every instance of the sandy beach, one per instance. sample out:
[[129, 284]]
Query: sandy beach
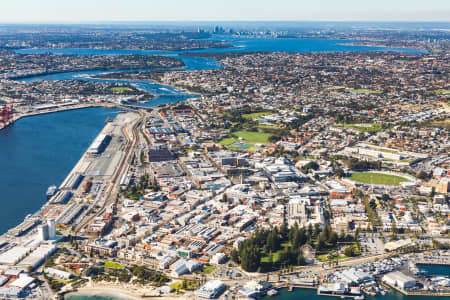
[[123, 292]]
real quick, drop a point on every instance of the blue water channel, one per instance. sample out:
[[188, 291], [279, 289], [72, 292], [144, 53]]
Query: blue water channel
[[40, 151]]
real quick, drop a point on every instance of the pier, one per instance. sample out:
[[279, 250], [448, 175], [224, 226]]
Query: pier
[[433, 260], [417, 293]]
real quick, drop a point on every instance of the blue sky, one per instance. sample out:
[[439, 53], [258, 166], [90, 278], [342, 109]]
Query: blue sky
[[214, 10]]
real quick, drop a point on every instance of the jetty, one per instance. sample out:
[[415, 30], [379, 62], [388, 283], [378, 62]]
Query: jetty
[[433, 260]]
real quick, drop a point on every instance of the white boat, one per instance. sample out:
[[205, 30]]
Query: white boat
[[272, 292], [51, 191]]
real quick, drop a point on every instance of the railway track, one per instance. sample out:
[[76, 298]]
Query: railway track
[[112, 191]]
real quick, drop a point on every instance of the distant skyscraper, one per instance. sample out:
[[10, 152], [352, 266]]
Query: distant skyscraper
[[51, 228]]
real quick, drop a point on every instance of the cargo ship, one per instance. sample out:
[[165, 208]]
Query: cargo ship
[[51, 191]]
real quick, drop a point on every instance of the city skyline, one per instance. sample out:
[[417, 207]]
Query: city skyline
[[83, 11]]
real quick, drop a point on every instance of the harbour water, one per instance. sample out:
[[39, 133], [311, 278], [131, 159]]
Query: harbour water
[[95, 297], [40, 151], [435, 270], [312, 295], [284, 294]]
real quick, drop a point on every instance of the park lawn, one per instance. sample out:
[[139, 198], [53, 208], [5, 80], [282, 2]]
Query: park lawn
[[228, 141], [334, 88], [275, 257], [178, 285], [249, 139], [266, 126], [364, 91], [257, 115], [111, 264], [208, 269], [121, 89], [324, 258], [377, 178], [370, 127], [440, 92], [253, 137]]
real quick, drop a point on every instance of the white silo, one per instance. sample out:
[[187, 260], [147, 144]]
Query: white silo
[[43, 232], [51, 229]]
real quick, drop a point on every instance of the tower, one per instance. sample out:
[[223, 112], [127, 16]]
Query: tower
[[43, 232], [51, 229]]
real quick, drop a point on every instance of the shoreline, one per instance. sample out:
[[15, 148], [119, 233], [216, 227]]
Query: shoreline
[[79, 161], [361, 44], [120, 292], [60, 109]]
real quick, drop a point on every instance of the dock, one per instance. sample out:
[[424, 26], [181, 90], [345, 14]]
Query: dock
[[344, 296], [435, 260], [418, 293]]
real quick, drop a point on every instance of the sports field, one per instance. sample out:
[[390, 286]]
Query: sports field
[[247, 141], [256, 115], [377, 178]]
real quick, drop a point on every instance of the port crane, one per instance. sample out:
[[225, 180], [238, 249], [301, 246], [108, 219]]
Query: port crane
[[6, 113]]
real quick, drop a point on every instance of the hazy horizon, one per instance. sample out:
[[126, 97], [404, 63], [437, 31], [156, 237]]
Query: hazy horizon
[[104, 11]]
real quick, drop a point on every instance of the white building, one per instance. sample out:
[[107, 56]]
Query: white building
[[400, 280], [218, 258], [51, 229], [55, 273], [211, 290]]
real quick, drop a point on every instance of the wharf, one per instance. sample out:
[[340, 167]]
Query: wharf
[[435, 260], [344, 296], [19, 116], [418, 293]]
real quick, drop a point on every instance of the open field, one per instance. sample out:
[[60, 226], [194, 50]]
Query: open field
[[364, 91], [253, 137], [334, 88], [324, 258], [358, 91], [377, 178], [208, 269], [121, 89], [111, 264], [369, 127], [257, 115], [440, 92], [245, 140]]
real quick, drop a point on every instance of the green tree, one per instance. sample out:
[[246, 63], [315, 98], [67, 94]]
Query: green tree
[[235, 256]]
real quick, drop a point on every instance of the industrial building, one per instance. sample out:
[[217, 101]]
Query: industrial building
[[398, 279], [72, 182], [99, 144], [62, 197]]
